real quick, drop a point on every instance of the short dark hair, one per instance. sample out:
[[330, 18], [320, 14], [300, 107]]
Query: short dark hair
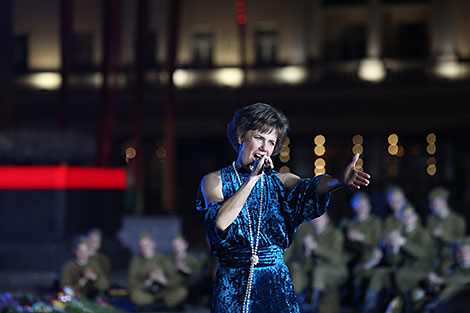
[[258, 116]]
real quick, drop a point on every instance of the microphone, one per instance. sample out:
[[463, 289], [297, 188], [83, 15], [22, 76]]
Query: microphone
[[267, 169]]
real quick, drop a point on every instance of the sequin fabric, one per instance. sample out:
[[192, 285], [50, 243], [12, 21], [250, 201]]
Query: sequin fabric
[[284, 212]]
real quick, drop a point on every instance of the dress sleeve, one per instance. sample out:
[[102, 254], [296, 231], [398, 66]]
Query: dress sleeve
[[305, 203], [209, 214]]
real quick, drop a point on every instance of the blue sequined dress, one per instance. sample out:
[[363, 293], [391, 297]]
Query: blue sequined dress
[[283, 212]]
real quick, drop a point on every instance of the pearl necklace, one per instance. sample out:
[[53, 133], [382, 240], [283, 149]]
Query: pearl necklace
[[254, 260]]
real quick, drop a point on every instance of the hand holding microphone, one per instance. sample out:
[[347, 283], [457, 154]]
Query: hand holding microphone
[[263, 165], [267, 169]]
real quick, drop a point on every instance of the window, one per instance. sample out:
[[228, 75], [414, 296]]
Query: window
[[202, 48], [266, 47], [82, 51], [20, 53]]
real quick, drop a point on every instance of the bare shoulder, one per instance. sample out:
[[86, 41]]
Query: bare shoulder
[[212, 179], [212, 187], [289, 180]]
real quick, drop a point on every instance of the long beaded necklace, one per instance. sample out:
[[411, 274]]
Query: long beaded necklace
[[254, 246]]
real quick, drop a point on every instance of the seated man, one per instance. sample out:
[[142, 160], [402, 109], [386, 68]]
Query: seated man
[[187, 263], [363, 235], [457, 278], [397, 202], [321, 264], [154, 281], [445, 225], [408, 258], [81, 275], [94, 240], [189, 267]]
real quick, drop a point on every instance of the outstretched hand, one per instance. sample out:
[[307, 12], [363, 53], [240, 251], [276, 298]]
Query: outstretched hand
[[354, 178]]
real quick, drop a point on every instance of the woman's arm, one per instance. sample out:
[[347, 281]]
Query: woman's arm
[[228, 212], [351, 177], [289, 180]]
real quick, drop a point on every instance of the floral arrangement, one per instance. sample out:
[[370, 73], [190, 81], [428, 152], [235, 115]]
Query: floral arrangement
[[67, 300]]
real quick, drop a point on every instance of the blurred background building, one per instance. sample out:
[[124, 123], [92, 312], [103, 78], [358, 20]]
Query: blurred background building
[[150, 85]]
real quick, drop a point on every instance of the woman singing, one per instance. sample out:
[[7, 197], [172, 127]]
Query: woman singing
[[251, 214]]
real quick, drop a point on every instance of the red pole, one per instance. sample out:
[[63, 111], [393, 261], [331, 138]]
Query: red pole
[[242, 19], [169, 194], [111, 36], [141, 54]]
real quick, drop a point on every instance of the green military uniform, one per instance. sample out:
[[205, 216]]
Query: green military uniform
[[391, 223], [411, 264], [103, 262], [294, 257], [457, 280], [72, 272], [417, 259], [194, 264], [295, 252], [453, 228], [325, 267], [380, 277], [361, 252], [407, 267], [172, 294]]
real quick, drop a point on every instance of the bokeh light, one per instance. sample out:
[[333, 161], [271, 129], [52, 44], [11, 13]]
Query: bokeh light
[[357, 140], [320, 150], [320, 140], [393, 149], [393, 139]]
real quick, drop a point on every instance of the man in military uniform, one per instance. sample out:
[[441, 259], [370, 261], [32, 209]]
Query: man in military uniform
[[81, 275], [154, 283], [94, 240], [397, 201], [457, 278], [295, 253], [188, 265], [321, 265], [445, 225], [406, 262], [363, 234]]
